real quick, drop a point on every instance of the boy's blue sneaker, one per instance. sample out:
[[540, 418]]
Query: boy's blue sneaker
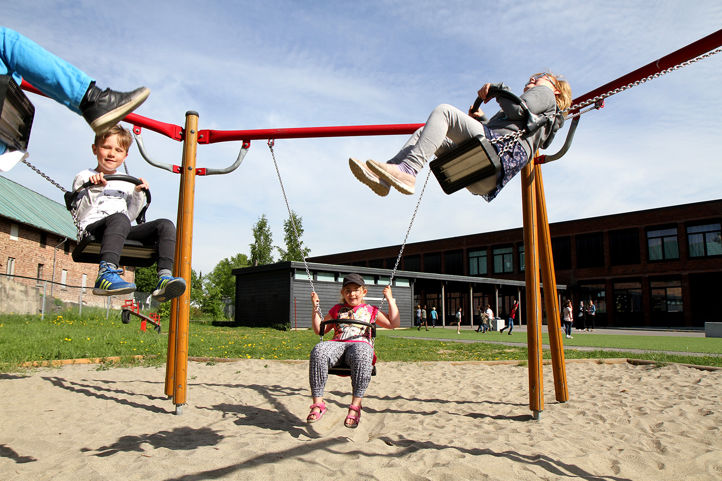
[[109, 282], [169, 288]]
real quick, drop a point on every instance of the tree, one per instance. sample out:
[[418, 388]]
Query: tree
[[146, 278], [295, 251], [262, 247], [222, 277]]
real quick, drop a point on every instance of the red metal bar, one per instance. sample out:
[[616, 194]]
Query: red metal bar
[[695, 49], [172, 131], [213, 136]]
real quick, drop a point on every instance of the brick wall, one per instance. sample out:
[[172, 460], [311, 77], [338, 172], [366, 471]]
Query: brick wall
[[29, 252]]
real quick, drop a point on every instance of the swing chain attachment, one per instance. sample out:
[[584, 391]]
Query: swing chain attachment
[[271, 143]]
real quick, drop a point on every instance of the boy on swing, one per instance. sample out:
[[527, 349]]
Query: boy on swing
[[106, 209]]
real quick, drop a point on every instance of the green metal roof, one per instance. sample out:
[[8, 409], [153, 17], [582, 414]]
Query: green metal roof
[[25, 206]]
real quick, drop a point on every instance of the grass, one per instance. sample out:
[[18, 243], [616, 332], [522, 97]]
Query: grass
[[28, 338], [597, 339]]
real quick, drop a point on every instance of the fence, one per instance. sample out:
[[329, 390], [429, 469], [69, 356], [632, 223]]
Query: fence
[[29, 295]]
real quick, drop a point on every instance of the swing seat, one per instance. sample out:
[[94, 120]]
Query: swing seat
[[134, 253], [16, 115], [341, 368], [474, 163]]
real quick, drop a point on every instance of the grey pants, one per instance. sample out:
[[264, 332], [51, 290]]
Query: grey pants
[[446, 127], [358, 356]]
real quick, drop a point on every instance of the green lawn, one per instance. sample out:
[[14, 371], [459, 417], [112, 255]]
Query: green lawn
[[28, 338], [595, 339]]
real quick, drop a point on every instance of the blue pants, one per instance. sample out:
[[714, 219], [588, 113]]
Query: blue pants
[[56, 78]]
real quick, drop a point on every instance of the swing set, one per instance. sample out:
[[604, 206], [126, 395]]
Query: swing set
[[469, 163]]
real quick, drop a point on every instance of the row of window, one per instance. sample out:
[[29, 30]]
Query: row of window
[[43, 242], [624, 248], [664, 296], [10, 271]]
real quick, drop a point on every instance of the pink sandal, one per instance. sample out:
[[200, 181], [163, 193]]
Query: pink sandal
[[353, 418], [316, 416]]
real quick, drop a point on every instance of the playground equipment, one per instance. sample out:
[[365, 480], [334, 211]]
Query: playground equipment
[[132, 308], [341, 368], [536, 229], [134, 252]]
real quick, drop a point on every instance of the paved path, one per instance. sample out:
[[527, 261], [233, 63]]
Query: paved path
[[629, 332]]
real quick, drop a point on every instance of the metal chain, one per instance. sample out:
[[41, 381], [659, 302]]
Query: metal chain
[[406, 237], [293, 222], [295, 230], [76, 221], [655, 75], [44, 175]]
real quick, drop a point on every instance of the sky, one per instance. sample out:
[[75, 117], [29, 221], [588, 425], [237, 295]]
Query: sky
[[282, 64]]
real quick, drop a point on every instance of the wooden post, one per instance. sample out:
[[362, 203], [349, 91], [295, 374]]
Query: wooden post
[[551, 302], [533, 304], [173, 324], [185, 225]]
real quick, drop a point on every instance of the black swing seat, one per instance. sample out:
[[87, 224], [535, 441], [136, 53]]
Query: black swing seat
[[134, 253], [475, 163], [341, 368], [472, 161]]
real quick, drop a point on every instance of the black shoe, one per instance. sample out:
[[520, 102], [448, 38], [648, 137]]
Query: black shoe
[[102, 109]]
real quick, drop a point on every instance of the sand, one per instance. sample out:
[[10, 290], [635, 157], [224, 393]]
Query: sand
[[246, 420]]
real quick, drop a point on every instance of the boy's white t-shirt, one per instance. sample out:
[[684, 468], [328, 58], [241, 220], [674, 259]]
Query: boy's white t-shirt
[[98, 202]]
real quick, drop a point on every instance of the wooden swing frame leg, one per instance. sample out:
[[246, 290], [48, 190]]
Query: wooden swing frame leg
[[177, 363], [538, 254]]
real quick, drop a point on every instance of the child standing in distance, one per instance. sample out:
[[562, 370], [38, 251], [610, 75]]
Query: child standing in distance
[[351, 342], [106, 209], [544, 94]]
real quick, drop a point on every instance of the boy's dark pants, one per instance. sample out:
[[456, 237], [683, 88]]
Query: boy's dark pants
[[114, 229]]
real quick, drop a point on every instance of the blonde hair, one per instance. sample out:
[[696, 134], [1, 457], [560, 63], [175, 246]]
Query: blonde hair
[[125, 139], [564, 97]]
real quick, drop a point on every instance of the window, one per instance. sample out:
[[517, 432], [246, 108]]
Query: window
[[64, 277], [595, 292], [503, 259], [10, 266], [624, 247], [401, 282], [590, 250], [66, 247], [412, 263], [39, 274], [376, 263], [84, 281], [326, 277], [369, 280], [454, 262], [562, 252], [628, 296], [300, 275], [477, 263], [432, 263], [522, 260], [666, 296], [662, 244], [14, 231], [704, 240], [43, 239]]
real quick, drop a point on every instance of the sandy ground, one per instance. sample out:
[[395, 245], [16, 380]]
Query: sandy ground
[[246, 420]]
